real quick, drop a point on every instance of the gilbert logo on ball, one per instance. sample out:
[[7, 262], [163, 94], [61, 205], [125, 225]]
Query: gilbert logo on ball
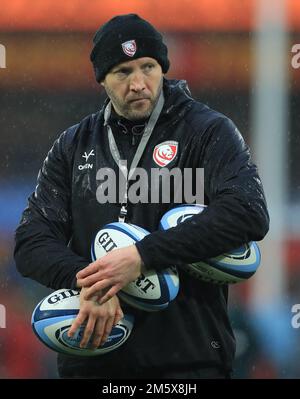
[[129, 48], [53, 317], [153, 290], [165, 152]]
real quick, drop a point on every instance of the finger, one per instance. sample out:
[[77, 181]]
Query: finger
[[107, 330], [76, 323], [89, 280], [98, 333], [90, 269], [119, 316], [112, 292], [96, 289], [88, 331]]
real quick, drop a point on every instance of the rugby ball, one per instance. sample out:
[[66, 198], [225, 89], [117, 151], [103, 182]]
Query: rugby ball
[[153, 290], [229, 268], [53, 317]]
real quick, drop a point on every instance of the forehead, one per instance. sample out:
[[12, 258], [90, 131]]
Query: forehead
[[134, 63]]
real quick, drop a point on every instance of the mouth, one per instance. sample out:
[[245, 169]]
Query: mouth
[[137, 100]]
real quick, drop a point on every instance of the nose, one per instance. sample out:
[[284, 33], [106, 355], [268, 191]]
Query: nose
[[137, 82]]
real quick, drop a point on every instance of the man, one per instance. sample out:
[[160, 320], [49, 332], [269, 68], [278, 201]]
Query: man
[[192, 338]]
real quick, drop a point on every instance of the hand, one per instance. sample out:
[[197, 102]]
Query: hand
[[100, 319], [106, 276]]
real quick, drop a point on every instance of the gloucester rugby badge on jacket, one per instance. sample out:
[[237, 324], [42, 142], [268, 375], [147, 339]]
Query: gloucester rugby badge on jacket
[[165, 152]]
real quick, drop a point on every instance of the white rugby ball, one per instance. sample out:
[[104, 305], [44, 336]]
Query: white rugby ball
[[53, 317], [229, 268], [153, 290], [179, 214]]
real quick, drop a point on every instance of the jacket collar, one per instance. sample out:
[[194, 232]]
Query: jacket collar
[[176, 93]]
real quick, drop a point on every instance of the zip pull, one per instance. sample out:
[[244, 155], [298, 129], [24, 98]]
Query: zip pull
[[122, 126], [133, 139], [123, 214]]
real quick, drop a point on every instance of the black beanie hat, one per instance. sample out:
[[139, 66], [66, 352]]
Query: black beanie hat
[[124, 38]]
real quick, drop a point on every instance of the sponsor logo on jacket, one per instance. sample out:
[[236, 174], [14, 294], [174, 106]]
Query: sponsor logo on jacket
[[87, 165]]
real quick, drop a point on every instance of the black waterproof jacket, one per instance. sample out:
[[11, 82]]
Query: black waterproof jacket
[[54, 236]]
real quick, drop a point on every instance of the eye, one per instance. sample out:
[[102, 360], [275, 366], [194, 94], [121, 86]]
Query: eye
[[148, 67], [122, 73]]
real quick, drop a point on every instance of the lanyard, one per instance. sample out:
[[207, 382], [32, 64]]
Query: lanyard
[[139, 152]]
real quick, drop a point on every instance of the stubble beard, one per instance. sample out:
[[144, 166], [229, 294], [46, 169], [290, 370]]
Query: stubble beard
[[127, 110]]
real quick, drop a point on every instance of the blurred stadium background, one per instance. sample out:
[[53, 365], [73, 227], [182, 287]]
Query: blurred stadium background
[[236, 56]]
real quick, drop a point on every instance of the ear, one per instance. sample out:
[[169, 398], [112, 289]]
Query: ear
[[102, 83]]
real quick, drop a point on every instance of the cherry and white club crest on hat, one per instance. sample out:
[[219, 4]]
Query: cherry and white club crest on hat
[[129, 48], [165, 152]]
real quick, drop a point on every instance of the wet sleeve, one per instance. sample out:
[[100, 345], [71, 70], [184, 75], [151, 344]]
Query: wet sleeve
[[42, 237], [236, 213]]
